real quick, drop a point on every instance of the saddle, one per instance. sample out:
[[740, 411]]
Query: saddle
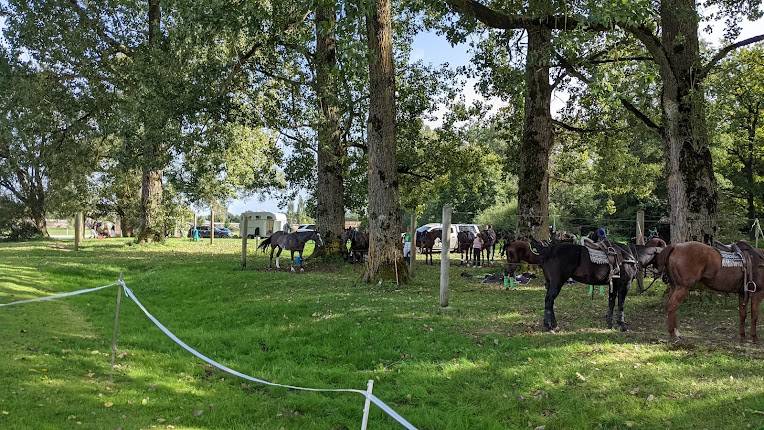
[[605, 253], [740, 254]]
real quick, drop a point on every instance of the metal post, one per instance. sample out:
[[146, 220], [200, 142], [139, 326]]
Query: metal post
[[412, 233], [445, 248], [366, 405], [120, 284], [77, 231], [640, 227], [243, 229]]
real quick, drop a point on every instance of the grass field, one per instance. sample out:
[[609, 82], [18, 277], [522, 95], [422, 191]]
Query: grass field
[[483, 364]]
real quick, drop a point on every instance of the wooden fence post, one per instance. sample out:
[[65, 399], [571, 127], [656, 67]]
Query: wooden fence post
[[115, 333], [412, 233], [640, 227], [243, 229], [212, 224], [445, 248], [77, 230]]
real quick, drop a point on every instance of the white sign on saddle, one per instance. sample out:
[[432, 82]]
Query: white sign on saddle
[[597, 257], [731, 259]]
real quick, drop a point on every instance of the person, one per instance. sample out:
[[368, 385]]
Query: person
[[477, 247], [407, 248], [601, 234], [113, 231], [196, 234]]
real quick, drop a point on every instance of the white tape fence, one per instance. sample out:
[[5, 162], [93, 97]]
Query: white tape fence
[[367, 394]]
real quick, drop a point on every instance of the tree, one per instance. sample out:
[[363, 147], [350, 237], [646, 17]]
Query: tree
[[691, 183], [385, 254], [47, 140], [736, 91]]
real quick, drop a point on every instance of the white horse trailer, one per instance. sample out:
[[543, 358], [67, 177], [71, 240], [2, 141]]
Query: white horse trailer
[[263, 224]]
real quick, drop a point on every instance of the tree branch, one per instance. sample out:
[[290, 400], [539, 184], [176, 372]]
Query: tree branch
[[85, 19], [726, 50], [495, 19], [626, 103], [586, 130]]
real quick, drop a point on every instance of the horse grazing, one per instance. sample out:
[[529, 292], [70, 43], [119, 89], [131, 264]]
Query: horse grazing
[[562, 261], [688, 263], [359, 244], [464, 241], [425, 240], [291, 242]]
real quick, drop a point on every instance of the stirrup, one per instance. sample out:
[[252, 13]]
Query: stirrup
[[750, 290]]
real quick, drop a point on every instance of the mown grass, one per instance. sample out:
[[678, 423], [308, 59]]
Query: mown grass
[[482, 364]]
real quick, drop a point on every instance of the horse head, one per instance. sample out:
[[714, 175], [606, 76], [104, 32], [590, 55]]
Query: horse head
[[316, 237], [646, 255]]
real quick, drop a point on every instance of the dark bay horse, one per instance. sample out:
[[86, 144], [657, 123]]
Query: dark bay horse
[[689, 263], [464, 241], [359, 244], [425, 240], [291, 242], [489, 243], [563, 261]]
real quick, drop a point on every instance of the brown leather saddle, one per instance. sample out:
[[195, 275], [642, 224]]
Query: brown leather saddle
[[614, 255], [748, 258]]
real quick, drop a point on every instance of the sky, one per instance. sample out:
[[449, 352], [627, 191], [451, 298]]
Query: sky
[[434, 49]]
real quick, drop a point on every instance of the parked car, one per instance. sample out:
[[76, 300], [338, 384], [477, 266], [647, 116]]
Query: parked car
[[306, 227], [204, 232]]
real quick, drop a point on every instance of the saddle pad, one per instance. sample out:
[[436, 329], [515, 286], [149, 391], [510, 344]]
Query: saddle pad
[[597, 257], [731, 259]]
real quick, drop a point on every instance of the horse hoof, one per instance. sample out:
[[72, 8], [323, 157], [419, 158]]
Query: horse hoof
[[301, 270], [609, 325], [623, 328]]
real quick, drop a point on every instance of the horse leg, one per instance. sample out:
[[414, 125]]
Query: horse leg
[[612, 295], [623, 291], [677, 297], [302, 260], [278, 254], [552, 290], [742, 302], [755, 302], [291, 260], [270, 262]]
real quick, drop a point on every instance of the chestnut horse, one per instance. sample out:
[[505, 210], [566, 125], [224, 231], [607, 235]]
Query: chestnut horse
[[689, 263], [563, 261]]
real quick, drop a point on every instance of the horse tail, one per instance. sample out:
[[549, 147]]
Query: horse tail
[[264, 244], [661, 260]]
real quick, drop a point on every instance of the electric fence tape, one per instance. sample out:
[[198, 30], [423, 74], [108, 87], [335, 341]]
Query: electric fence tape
[[58, 296], [374, 399]]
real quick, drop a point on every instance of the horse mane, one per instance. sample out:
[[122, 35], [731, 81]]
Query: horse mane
[[661, 260]]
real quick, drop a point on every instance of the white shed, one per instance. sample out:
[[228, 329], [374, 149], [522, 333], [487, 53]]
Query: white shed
[[262, 224]]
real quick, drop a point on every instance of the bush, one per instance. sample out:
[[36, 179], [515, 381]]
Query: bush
[[14, 223], [502, 216]]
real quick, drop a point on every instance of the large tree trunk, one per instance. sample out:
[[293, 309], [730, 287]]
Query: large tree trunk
[[750, 165], [330, 205], [151, 205], [151, 184], [37, 212], [691, 182], [537, 140], [385, 255]]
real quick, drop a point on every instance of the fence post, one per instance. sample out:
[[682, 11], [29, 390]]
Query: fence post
[[243, 230], [412, 233], [120, 284], [445, 248], [77, 231], [212, 223], [367, 405], [640, 227]]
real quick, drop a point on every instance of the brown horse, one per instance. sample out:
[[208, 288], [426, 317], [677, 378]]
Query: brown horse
[[689, 263], [426, 241], [563, 261], [464, 241]]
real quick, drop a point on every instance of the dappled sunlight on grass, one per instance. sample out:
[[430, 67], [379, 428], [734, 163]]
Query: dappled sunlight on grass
[[484, 363]]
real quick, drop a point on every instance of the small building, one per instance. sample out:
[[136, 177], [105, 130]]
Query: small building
[[262, 224]]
